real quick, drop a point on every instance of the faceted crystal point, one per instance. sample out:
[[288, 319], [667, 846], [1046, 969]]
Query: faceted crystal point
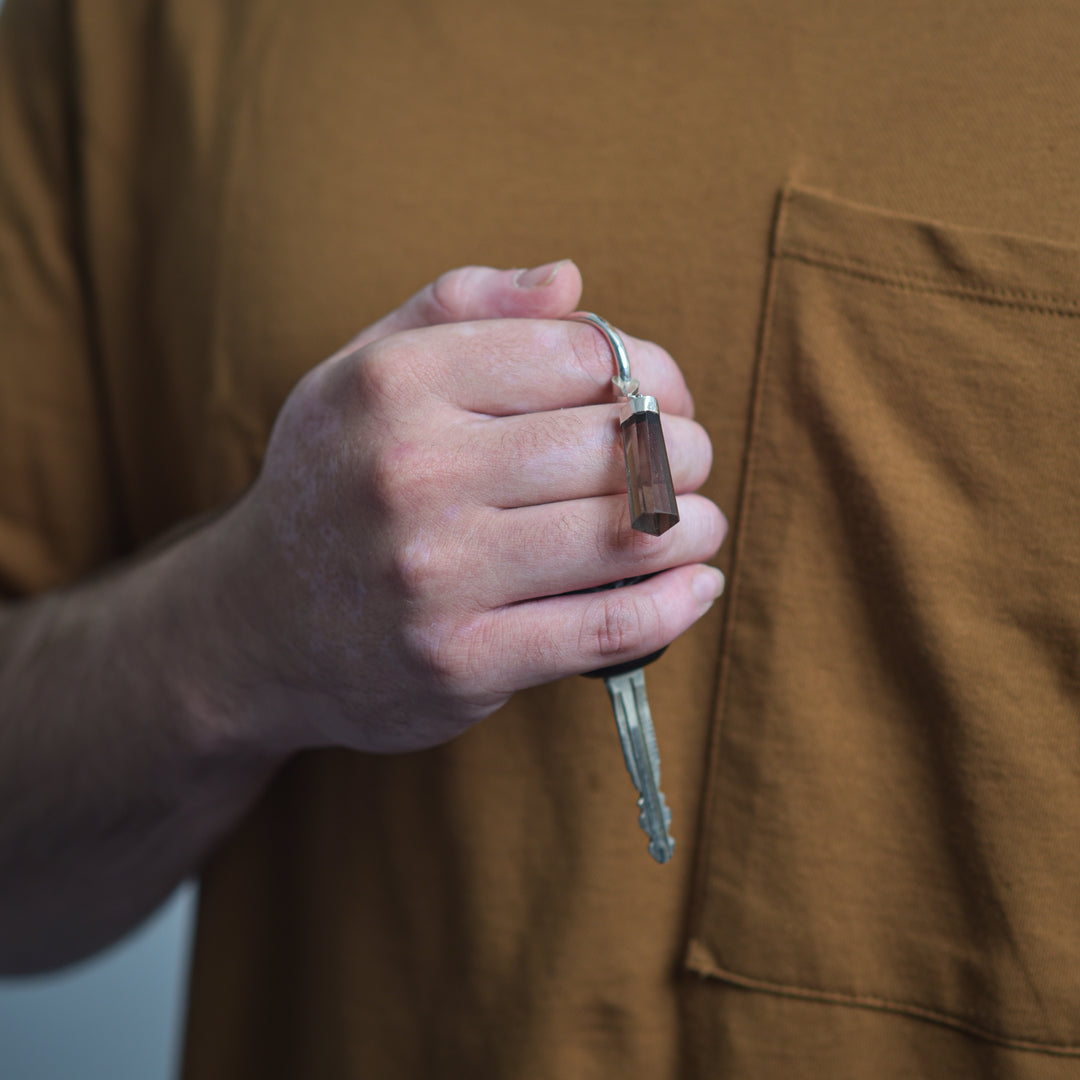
[[648, 478]]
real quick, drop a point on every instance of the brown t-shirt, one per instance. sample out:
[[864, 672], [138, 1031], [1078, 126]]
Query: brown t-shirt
[[856, 227]]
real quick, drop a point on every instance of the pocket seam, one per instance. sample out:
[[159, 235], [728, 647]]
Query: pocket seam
[[914, 282], [700, 959], [699, 894]]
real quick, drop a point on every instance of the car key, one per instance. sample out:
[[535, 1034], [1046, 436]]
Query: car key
[[633, 718], [652, 510]]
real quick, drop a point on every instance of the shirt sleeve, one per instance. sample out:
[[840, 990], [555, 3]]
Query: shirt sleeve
[[57, 491]]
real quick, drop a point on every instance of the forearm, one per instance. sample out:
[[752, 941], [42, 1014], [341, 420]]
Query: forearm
[[124, 751], [417, 547]]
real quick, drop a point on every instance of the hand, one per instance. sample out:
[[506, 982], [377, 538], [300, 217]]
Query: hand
[[429, 495]]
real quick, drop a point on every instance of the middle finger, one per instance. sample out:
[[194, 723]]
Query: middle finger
[[537, 458]]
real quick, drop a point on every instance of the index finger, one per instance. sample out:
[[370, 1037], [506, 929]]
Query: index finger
[[502, 367]]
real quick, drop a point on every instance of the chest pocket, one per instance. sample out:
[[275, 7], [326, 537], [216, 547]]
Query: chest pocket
[[894, 805]]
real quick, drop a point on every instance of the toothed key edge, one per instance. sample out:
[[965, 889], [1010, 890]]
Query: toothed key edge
[[633, 719], [660, 835]]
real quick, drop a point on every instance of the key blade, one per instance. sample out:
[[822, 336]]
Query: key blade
[[661, 843], [621, 690], [633, 718]]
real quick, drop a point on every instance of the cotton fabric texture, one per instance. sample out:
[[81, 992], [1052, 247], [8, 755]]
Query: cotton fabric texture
[[855, 226]]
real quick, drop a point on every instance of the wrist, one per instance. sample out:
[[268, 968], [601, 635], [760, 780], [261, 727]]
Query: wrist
[[191, 622]]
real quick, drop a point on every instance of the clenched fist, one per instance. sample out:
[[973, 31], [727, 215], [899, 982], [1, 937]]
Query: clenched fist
[[431, 495]]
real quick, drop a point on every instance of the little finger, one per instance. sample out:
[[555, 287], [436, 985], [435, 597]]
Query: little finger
[[533, 643]]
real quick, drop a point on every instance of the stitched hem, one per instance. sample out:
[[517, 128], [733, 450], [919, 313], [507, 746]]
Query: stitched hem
[[699, 960], [911, 282]]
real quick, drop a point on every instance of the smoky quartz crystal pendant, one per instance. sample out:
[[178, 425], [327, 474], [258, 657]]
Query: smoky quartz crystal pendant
[[648, 477]]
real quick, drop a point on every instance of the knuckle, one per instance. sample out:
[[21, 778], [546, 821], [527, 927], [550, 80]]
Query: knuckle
[[448, 295], [522, 443], [430, 645], [590, 353], [536, 438], [540, 649], [416, 571], [619, 626], [453, 655], [632, 548], [381, 372], [560, 532]]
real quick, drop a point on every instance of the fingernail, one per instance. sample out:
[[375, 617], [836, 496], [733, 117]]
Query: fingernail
[[708, 585], [538, 276]]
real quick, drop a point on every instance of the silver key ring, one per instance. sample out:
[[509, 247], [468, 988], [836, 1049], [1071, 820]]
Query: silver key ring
[[623, 380]]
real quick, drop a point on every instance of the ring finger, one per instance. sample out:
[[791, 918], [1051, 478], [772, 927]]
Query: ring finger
[[565, 547]]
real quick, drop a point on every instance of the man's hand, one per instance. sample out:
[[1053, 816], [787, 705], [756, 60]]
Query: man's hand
[[393, 575], [428, 499]]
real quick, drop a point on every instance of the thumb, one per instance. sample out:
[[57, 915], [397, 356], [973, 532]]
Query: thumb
[[479, 292]]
